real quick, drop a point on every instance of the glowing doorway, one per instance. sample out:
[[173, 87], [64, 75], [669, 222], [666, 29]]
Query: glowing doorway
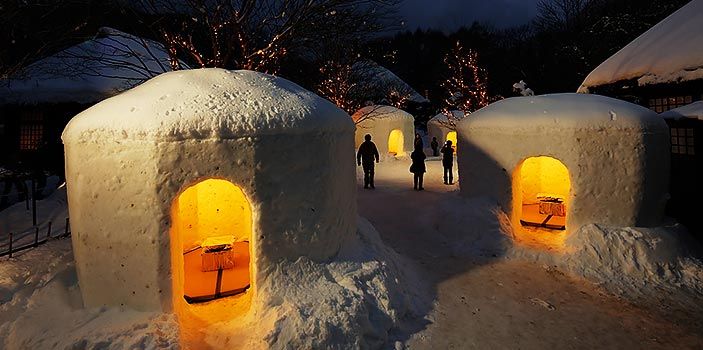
[[543, 192], [395, 142], [210, 253], [451, 136]]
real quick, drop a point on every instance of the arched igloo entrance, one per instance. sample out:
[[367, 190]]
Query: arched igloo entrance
[[211, 226], [541, 188], [451, 136], [210, 238], [395, 142]]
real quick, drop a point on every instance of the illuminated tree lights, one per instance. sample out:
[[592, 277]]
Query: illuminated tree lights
[[466, 85]]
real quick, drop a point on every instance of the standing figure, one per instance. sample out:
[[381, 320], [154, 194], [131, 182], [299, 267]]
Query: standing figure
[[448, 162], [365, 157], [435, 147], [418, 141], [418, 167]]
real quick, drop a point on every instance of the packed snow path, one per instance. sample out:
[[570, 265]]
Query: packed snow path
[[490, 302]]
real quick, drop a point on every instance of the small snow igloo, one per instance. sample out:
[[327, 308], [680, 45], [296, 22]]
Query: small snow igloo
[[440, 127], [557, 162], [184, 190], [391, 129]]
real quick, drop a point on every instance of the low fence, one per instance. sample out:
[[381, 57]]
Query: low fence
[[18, 241]]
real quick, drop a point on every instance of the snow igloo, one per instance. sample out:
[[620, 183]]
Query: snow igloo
[[440, 127], [185, 190], [391, 129], [558, 162]]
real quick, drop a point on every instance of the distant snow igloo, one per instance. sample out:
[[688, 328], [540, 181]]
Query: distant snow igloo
[[440, 127], [184, 190], [557, 162], [391, 129]]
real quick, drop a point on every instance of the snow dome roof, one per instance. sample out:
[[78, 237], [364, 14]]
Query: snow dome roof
[[442, 118], [381, 112], [561, 111], [690, 111], [101, 67], [670, 51], [382, 77], [207, 103]]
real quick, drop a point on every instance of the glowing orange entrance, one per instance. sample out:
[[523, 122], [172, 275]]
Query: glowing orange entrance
[[395, 142], [541, 188], [210, 252], [451, 136]]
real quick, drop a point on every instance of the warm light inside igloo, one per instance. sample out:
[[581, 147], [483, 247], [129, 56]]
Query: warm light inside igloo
[[541, 188], [210, 251], [395, 142], [451, 136]]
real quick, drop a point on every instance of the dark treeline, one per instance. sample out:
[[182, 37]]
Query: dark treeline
[[553, 53]]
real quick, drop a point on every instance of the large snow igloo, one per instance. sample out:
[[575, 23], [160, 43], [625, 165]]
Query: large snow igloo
[[558, 162], [391, 129], [183, 190]]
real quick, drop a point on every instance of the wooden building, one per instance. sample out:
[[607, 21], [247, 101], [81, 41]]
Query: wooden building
[[36, 104], [663, 70]]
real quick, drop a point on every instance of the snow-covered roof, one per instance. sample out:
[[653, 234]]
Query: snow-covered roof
[[381, 77], [442, 118], [561, 111], [381, 112], [204, 104], [93, 70], [670, 51], [689, 111]]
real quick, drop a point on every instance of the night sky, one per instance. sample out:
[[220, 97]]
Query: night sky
[[448, 15]]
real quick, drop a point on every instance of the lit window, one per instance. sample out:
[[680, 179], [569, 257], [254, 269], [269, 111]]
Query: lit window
[[660, 105], [31, 132]]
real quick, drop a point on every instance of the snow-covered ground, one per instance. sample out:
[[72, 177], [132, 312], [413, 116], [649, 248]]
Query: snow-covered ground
[[427, 270]]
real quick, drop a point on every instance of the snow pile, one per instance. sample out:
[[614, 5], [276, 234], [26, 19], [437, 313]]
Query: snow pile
[[41, 308], [632, 259], [668, 52], [353, 301], [111, 62], [690, 111]]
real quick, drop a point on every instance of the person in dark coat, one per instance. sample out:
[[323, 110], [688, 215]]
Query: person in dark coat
[[448, 162], [418, 141], [435, 147], [418, 167], [365, 157]]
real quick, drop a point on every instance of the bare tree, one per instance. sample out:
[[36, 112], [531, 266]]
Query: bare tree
[[258, 34], [561, 15], [466, 86]]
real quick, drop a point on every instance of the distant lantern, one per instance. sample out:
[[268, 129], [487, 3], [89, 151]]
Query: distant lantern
[[183, 190], [391, 129], [558, 162]]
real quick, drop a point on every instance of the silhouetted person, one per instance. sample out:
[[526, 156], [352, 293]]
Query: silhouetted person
[[418, 167], [418, 141], [365, 157], [448, 162], [435, 147]]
